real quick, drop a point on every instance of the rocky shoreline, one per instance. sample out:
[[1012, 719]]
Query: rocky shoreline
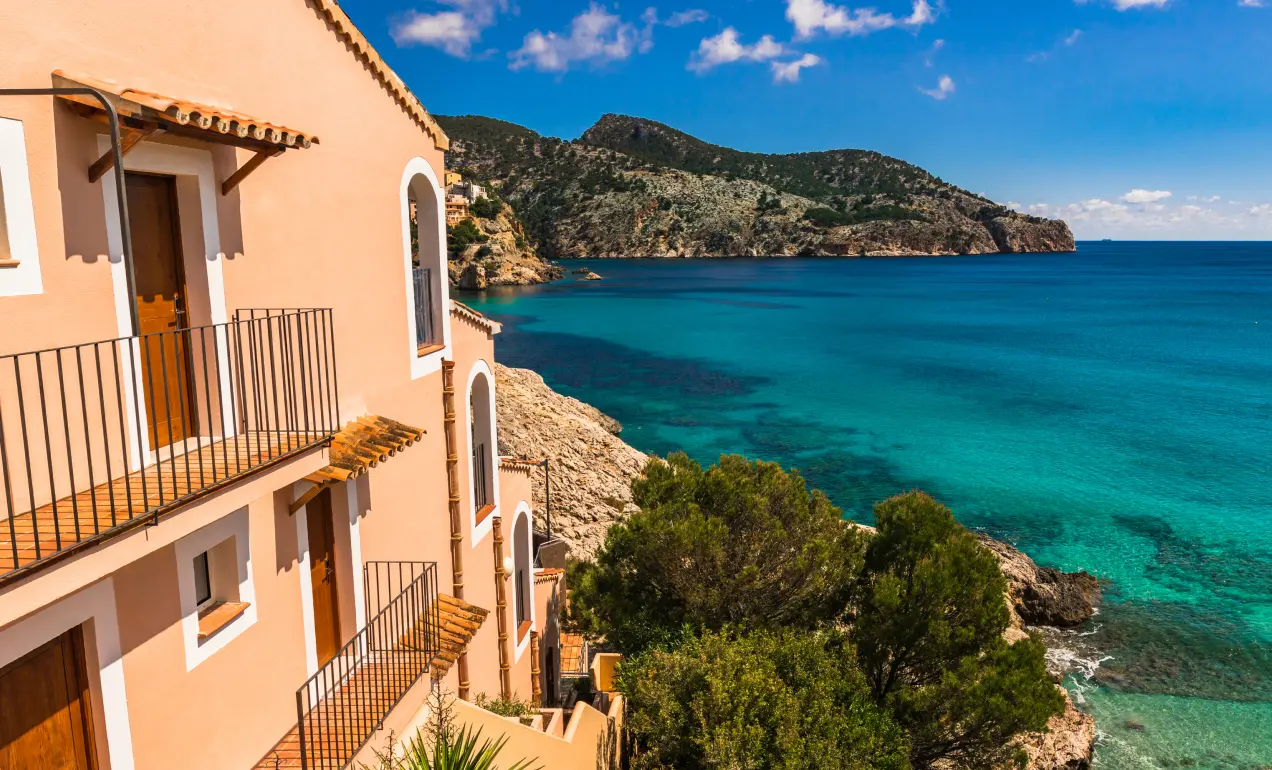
[[591, 478]]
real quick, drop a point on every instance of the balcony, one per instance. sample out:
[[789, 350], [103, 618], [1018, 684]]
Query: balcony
[[101, 437]]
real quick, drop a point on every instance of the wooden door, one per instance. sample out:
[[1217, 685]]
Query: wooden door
[[44, 716], [161, 307], [322, 569]]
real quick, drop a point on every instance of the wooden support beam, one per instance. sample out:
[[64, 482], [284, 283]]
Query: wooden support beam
[[309, 494], [128, 139], [251, 165]]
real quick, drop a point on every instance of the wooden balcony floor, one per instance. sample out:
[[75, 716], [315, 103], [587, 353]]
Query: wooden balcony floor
[[343, 719], [84, 517]]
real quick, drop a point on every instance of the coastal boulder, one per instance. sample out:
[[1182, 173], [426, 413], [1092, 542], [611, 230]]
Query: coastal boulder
[[473, 278], [1068, 743], [1041, 596]]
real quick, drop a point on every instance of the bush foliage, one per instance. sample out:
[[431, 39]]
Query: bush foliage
[[773, 699], [742, 544], [761, 631]]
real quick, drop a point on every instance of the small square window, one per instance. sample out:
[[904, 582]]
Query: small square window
[[202, 581]]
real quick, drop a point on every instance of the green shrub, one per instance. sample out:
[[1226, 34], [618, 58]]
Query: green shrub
[[739, 544], [486, 207], [784, 699], [929, 633], [512, 706]]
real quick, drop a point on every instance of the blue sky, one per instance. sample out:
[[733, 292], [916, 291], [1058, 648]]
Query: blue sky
[[1128, 118]]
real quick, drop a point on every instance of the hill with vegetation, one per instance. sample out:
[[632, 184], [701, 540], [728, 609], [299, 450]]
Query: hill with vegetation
[[630, 187]]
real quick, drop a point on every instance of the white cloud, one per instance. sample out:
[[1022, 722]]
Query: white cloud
[[691, 16], [726, 48], [1126, 5], [1073, 37], [936, 48], [1206, 198], [809, 16], [1101, 218], [1253, 3], [1146, 196], [944, 89], [454, 31], [596, 37], [788, 72]]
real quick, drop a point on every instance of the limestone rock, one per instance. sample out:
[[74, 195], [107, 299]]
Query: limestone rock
[[1017, 234], [1068, 744], [506, 256], [1041, 596], [591, 467], [473, 278]]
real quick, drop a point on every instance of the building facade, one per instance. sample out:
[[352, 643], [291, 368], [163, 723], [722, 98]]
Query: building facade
[[253, 505]]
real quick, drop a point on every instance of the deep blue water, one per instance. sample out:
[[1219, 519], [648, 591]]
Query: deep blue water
[[1109, 410]]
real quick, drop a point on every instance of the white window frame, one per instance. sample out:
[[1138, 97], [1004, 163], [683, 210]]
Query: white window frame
[[527, 553], [481, 529], [19, 214], [415, 168], [236, 525]]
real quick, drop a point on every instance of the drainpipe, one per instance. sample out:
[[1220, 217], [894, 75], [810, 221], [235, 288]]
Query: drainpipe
[[536, 691], [547, 497], [453, 500], [501, 612], [112, 116]]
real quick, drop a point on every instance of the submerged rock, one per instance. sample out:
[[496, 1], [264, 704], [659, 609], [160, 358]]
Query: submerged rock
[[1041, 596]]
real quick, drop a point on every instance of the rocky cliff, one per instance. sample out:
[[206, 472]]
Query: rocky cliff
[[591, 467], [496, 252], [635, 188]]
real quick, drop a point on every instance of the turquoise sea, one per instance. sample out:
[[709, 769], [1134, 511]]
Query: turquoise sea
[[1109, 410]]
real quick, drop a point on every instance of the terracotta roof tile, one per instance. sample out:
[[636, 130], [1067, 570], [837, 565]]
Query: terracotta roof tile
[[458, 623], [147, 105], [463, 311]]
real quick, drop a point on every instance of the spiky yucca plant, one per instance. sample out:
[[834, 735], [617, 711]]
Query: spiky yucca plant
[[455, 750]]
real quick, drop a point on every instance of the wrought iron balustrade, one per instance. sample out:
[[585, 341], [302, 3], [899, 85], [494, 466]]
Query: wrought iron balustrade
[[101, 436], [347, 700]]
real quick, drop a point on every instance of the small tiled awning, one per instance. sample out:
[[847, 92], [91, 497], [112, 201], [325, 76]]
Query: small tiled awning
[[459, 622], [361, 445], [573, 655], [464, 312], [143, 114], [173, 113]]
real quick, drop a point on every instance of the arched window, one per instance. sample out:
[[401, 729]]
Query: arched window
[[521, 546], [424, 246], [482, 456]]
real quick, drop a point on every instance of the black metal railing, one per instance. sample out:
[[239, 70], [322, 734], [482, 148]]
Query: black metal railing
[[481, 476], [347, 700], [425, 317], [103, 435]]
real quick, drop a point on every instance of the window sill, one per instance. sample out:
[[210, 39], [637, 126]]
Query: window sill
[[9, 263], [522, 630], [484, 512], [218, 616], [424, 350]]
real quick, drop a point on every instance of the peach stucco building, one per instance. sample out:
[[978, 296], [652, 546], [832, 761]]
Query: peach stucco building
[[253, 508]]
